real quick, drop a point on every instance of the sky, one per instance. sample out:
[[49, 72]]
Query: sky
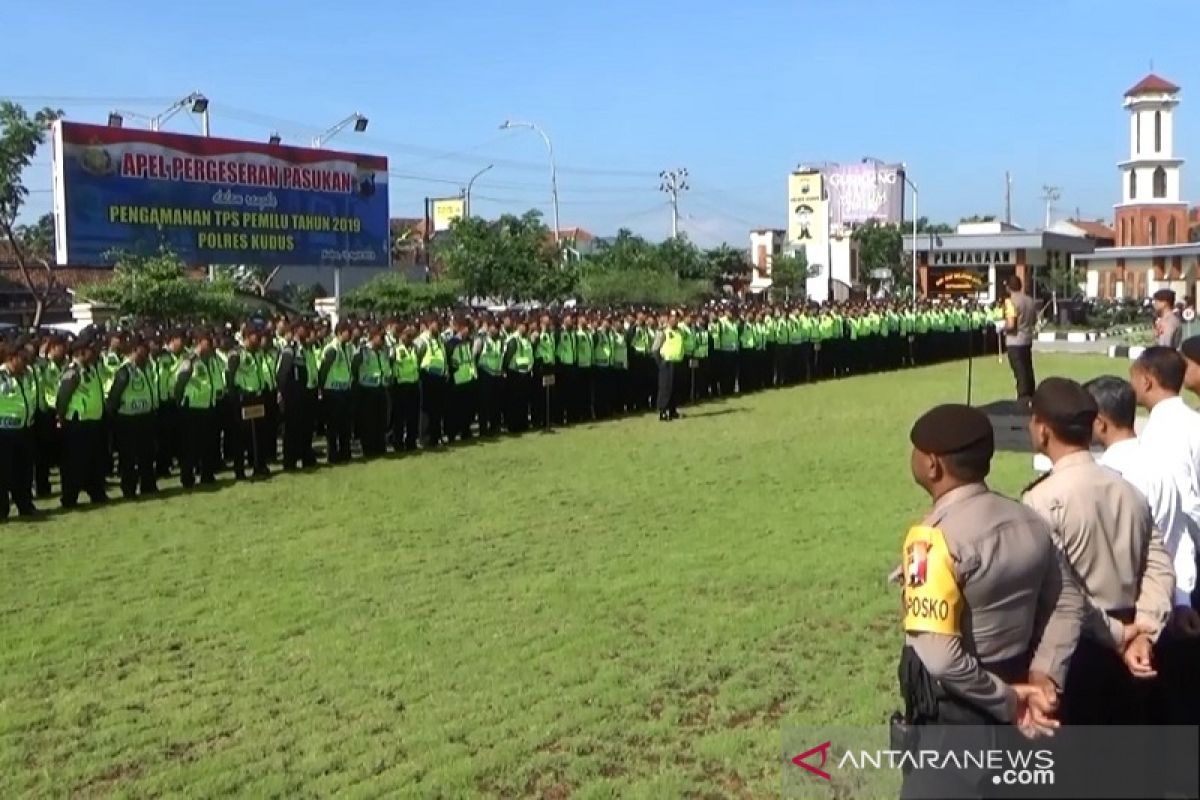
[[738, 93]]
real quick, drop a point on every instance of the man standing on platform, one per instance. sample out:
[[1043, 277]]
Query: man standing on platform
[[667, 349], [1020, 321], [1168, 329]]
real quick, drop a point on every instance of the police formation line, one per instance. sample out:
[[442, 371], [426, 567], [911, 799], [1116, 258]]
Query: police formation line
[[1075, 606], [200, 402]]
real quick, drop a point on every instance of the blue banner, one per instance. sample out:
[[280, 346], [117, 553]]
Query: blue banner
[[215, 201]]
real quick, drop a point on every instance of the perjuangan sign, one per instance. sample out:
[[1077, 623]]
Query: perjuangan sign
[[214, 201]]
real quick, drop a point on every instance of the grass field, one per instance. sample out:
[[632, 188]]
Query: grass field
[[628, 609]]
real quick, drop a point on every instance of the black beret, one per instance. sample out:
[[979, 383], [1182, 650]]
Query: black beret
[[1063, 402], [953, 428], [1191, 349]]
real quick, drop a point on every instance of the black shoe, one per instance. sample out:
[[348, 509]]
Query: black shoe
[[28, 511], [262, 473], [674, 415], [664, 417]]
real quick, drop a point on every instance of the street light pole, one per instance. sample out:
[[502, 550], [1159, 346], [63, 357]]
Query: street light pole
[[913, 186], [360, 124], [470, 183], [553, 169]]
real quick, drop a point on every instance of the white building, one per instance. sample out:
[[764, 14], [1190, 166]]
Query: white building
[[1152, 250]]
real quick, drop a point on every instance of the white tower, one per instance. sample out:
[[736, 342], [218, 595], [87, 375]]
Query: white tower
[[1150, 211]]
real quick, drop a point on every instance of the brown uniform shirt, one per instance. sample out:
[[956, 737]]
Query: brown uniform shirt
[[1015, 591], [1023, 308], [1104, 527]]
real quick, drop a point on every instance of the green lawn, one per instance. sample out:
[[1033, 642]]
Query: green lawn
[[629, 609]]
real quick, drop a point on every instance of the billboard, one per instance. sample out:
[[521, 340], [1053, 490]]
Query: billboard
[[860, 192], [445, 210], [808, 211], [215, 201]]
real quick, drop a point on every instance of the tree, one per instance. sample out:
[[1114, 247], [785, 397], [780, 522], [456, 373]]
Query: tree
[[791, 273], [725, 260], [392, 294], [20, 137], [679, 257], [880, 247], [925, 226], [627, 251], [507, 259], [158, 287]]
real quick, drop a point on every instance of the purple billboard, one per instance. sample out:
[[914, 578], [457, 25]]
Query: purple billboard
[[860, 192]]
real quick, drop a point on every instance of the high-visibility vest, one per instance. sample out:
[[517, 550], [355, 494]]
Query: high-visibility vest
[[404, 364], [168, 370], [749, 335], [641, 340], [729, 335], [139, 396], [545, 348], [268, 363], [700, 343], [491, 356], [311, 365], [566, 348], [248, 376], [201, 389], [49, 378], [620, 350], [583, 348], [522, 360], [602, 353], [463, 362], [338, 378], [87, 401], [109, 364], [17, 402], [373, 369], [672, 346], [686, 333], [433, 360]]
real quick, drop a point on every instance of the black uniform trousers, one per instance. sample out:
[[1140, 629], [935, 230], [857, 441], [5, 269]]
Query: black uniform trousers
[[297, 414], [618, 393], [248, 438], [85, 461], [134, 436], [269, 425], [16, 470], [602, 387], [1100, 689], [666, 387], [434, 397], [518, 390], [1020, 358], [169, 432], [371, 408], [565, 389], [647, 380], [338, 410], [200, 445], [406, 416], [540, 401], [462, 410], [47, 450], [491, 403]]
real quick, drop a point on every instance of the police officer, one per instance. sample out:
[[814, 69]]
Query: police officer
[[132, 402], [1020, 321], [47, 434], [991, 614], [245, 373], [372, 368], [434, 366], [336, 382], [18, 405], [197, 380], [1104, 527], [518, 371], [667, 348], [80, 408], [405, 392], [296, 377]]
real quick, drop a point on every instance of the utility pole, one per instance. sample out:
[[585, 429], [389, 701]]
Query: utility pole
[[1050, 194], [673, 182], [1007, 197]]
